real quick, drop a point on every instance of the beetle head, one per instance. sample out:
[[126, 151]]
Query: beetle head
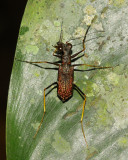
[[61, 47]]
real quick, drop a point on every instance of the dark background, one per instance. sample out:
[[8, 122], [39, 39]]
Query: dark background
[[11, 12]]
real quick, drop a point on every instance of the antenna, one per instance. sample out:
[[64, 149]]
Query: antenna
[[89, 40], [83, 36], [61, 33]]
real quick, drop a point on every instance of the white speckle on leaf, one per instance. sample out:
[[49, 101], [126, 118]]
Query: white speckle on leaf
[[113, 78], [40, 92], [79, 32], [32, 49], [98, 27], [123, 142], [90, 94], [35, 125], [36, 73], [32, 101], [60, 144], [121, 118], [86, 76], [84, 82], [57, 23], [90, 10], [88, 19], [95, 87], [103, 16]]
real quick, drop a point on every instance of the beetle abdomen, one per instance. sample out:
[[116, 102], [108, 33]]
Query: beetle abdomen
[[65, 82]]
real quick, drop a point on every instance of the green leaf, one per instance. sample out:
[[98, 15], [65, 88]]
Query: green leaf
[[106, 113]]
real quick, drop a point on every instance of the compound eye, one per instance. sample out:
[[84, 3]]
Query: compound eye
[[60, 48], [69, 45]]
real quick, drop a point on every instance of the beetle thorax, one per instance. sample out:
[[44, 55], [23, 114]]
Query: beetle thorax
[[66, 57]]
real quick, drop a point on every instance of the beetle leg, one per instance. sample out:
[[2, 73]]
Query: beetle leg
[[99, 67], [75, 59], [82, 95], [56, 54], [54, 63], [82, 120], [44, 108], [74, 55], [80, 70]]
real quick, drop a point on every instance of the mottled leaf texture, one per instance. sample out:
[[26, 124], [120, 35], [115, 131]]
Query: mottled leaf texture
[[106, 113]]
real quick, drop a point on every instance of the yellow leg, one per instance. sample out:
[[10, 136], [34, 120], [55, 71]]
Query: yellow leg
[[55, 83], [43, 115], [84, 97], [91, 66], [82, 121]]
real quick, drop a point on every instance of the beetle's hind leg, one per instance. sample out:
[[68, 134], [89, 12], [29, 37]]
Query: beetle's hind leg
[[55, 83], [84, 97]]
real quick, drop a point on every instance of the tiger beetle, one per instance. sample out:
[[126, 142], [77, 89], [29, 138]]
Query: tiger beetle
[[65, 82]]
